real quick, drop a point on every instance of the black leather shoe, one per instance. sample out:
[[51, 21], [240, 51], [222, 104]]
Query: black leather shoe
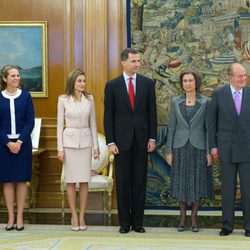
[[123, 230], [138, 229], [225, 232], [247, 233]]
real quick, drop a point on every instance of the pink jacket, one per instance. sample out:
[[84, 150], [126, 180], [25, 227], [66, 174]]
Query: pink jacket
[[80, 123]]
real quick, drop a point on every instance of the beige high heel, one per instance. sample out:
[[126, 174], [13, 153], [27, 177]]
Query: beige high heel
[[74, 228], [84, 227]]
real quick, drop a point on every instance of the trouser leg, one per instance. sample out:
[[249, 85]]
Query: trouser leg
[[244, 174], [228, 191]]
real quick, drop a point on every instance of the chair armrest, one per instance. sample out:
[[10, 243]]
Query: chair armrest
[[62, 180], [111, 159]]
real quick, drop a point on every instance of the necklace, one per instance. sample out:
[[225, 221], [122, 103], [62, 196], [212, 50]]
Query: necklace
[[190, 102], [11, 94]]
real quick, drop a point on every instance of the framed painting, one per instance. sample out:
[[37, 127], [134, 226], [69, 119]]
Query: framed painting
[[25, 44]]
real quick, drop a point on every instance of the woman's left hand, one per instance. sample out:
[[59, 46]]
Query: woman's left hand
[[97, 154], [209, 160]]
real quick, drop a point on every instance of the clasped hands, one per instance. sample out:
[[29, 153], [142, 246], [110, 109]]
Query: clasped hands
[[14, 147]]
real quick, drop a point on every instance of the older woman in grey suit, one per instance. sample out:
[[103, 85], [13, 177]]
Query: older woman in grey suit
[[187, 149], [76, 141]]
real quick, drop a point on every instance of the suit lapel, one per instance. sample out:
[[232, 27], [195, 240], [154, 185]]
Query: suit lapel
[[198, 106], [244, 105], [84, 103], [231, 106], [79, 108], [124, 91], [181, 109], [230, 102], [139, 89], [244, 102]]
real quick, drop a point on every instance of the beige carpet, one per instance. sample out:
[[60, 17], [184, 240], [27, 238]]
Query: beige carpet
[[58, 237]]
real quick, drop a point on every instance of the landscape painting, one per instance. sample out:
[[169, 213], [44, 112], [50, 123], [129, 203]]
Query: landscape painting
[[25, 44]]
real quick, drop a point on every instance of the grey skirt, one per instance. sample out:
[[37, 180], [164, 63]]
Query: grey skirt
[[191, 178]]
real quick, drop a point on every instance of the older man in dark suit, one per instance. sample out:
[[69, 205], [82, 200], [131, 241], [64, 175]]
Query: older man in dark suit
[[229, 139], [130, 128]]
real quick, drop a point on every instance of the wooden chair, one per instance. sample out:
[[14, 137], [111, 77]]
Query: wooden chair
[[101, 179]]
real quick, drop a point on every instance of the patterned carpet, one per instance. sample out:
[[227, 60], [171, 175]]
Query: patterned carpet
[[58, 237]]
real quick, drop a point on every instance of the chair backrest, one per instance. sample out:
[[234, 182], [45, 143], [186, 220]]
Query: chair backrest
[[98, 166], [35, 135]]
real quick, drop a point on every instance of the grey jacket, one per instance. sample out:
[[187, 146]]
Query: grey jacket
[[180, 130]]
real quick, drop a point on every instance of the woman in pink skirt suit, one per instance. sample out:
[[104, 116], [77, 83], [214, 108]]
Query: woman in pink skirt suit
[[76, 138]]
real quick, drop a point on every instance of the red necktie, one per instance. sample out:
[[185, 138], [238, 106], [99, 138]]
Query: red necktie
[[131, 93]]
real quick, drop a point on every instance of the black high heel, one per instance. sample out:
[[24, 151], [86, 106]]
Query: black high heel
[[13, 227], [20, 228], [10, 228], [180, 228], [195, 229]]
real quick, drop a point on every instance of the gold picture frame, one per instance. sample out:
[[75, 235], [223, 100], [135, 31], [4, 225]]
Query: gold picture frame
[[24, 44]]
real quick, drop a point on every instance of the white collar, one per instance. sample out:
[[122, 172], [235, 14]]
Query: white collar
[[17, 94], [126, 76]]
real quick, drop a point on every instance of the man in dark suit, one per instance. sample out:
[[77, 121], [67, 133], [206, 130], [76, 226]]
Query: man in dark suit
[[130, 128], [229, 139]]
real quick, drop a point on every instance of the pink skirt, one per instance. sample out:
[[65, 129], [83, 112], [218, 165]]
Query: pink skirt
[[77, 164]]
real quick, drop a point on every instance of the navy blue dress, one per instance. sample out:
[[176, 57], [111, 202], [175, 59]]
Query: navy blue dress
[[16, 123]]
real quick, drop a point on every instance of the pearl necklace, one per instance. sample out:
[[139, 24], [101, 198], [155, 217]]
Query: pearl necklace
[[11, 94]]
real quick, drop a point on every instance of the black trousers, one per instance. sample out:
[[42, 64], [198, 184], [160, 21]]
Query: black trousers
[[131, 179], [228, 192]]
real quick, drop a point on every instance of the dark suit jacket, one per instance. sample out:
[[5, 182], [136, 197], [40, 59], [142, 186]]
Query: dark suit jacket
[[121, 123], [229, 132]]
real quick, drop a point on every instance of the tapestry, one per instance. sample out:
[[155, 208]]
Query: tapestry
[[171, 35]]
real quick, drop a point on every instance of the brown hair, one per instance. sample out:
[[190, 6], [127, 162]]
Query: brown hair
[[70, 87], [4, 73], [195, 75]]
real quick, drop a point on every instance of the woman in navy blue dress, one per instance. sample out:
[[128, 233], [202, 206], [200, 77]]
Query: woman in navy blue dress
[[16, 125]]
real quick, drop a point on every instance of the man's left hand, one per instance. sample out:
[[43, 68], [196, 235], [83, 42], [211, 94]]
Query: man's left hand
[[151, 146]]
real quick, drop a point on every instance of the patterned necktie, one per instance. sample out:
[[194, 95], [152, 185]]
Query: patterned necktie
[[237, 101], [131, 93]]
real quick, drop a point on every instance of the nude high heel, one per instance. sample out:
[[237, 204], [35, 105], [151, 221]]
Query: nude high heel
[[74, 228]]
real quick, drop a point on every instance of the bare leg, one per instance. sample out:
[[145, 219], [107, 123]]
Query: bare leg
[[71, 192], [183, 209], [195, 207], [9, 194], [21, 192], [83, 202]]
